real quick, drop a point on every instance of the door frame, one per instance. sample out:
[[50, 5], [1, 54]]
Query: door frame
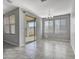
[[25, 30]]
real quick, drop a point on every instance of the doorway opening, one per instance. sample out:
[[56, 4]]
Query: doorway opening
[[30, 29]]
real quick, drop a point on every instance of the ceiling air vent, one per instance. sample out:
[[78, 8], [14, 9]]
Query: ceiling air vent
[[24, 11], [9, 1], [43, 0]]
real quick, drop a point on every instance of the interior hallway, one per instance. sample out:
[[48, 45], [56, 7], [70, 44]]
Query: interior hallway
[[42, 49]]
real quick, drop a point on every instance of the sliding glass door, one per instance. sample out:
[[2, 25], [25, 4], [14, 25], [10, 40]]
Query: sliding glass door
[[30, 29]]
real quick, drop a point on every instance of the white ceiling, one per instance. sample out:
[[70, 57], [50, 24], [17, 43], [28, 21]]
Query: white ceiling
[[7, 7], [40, 8]]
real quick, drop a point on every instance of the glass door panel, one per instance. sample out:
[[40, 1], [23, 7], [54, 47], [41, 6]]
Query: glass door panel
[[30, 29], [63, 26], [57, 26], [31, 25], [48, 31]]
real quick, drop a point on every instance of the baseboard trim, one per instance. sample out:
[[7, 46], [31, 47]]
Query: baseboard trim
[[10, 42], [72, 48]]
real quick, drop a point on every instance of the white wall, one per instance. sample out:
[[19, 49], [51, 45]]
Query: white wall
[[21, 28], [72, 30]]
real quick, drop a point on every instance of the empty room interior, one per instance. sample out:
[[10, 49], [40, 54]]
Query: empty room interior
[[39, 29]]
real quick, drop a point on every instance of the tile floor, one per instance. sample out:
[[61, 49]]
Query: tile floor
[[42, 49], [28, 39]]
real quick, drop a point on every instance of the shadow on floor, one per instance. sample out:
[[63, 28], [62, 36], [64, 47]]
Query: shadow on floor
[[7, 45], [30, 42]]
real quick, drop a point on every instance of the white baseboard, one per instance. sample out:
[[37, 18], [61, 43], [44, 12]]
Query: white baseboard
[[10, 42]]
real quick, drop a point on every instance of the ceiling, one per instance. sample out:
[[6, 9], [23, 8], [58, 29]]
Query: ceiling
[[7, 7], [41, 9]]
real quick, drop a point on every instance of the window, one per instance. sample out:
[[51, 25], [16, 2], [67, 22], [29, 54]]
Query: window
[[51, 26], [60, 26], [32, 24], [31, 28], [9, 24], [46, 26], [57, 26], [12, 24], [6, 24], [63, 25]]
